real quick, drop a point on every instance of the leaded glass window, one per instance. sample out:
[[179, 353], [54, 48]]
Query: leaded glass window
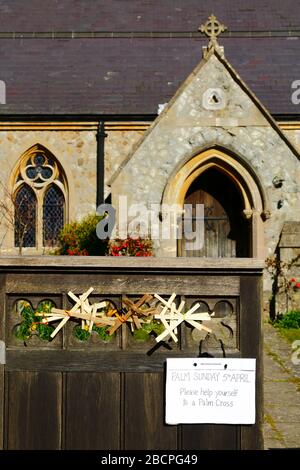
[[25, 217], [53, 215], [40, 197]]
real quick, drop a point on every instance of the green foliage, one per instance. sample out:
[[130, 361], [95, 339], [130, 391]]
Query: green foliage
[[45, 306], [84, 334], [103, 332], [22, 331], [80, 238], [81, 334], [31, 324], [288, 320], [28, 314], [143, 334], [291, 334], [44, 331]]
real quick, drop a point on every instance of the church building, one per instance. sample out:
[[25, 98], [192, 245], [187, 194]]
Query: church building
[[180, 121], [161, 102]]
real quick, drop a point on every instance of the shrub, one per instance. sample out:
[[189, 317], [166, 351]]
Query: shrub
[[288, 320], [130, 247], [80, 238], [282, 284]]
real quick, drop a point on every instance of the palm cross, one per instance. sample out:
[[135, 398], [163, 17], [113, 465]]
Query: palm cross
[[171, 317]]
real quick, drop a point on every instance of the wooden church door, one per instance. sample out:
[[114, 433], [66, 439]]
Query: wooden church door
[[226, 232]]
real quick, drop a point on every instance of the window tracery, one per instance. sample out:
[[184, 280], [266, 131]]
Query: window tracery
[[39, 199]]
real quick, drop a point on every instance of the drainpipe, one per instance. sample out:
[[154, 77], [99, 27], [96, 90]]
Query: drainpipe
[[100, 163]]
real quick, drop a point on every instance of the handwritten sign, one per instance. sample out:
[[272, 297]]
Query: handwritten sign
[[208, 390]]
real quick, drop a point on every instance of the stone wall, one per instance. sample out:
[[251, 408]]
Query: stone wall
[[288, 253], [118, 145], [76, 152], [293, 133], [186, 128]]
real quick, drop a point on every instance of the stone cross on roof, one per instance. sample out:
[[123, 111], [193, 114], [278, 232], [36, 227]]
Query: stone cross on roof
[[212, 28]]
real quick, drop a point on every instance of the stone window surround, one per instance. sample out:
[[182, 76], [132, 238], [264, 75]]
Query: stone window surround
[[19, 177]]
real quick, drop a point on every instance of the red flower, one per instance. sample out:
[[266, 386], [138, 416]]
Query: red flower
[[292, 280], [76, 252], [297, 285], [131, 247]]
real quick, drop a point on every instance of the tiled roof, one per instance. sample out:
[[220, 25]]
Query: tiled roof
[[145, 15], [133, 75]]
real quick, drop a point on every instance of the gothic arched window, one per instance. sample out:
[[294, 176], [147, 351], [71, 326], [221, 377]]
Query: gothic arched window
[[40, 199], [25, 216]]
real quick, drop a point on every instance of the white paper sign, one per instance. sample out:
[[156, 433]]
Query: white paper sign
[[208, 390]]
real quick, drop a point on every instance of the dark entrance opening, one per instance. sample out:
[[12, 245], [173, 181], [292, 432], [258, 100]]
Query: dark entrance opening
[[226, 231]]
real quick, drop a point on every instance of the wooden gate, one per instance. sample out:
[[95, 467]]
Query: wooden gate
[[69, 394]]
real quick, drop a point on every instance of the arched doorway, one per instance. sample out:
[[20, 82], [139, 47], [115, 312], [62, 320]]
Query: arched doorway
[[226, 231], [236, 205]]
